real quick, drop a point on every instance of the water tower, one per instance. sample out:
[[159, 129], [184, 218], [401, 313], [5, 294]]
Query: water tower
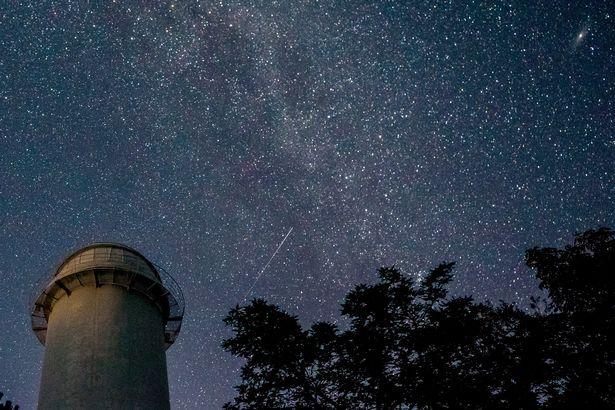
[[106, 318]]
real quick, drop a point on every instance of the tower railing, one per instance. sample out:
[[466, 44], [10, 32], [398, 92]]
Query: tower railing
[[163, 290]]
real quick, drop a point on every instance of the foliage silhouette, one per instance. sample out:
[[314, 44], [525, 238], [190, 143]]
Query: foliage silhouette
[[411, 345], [8, 405]]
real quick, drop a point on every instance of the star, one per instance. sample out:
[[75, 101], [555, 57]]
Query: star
[[384, 133]]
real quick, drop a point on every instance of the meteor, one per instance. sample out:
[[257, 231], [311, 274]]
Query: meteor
[[267, 265]]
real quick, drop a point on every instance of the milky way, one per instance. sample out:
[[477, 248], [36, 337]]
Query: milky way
[[382, 132]]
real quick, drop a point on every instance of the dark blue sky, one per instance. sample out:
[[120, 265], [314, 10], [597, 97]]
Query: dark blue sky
[[381, 132]]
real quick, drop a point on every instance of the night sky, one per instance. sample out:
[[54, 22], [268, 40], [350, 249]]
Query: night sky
[[380, 132]]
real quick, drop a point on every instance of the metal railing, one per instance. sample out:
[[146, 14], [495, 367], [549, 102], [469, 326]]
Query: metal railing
[[102, 269]]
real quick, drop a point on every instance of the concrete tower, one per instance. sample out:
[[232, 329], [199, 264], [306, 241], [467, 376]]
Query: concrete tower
[[106, 318]]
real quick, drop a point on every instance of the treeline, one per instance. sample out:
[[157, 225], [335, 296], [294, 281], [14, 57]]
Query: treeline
[[411, 345]]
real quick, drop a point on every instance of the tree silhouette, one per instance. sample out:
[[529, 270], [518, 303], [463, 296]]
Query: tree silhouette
[[410, 345], [580, 276], [286, 366], [580, 280], [8, 405]]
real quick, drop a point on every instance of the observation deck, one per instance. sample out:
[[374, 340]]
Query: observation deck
[[113, 264]]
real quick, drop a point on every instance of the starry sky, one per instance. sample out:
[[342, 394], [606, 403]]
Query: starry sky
[[380, 132]]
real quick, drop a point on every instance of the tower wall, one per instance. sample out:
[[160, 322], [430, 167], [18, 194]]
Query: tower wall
[[105, 348]]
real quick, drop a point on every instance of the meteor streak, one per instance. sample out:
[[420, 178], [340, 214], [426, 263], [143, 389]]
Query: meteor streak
[[267, 264]]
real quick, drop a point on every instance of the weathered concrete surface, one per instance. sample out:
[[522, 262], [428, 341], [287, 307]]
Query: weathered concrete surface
[[104, 350]]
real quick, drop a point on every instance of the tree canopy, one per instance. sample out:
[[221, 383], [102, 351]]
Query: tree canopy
[[412, 345], [7, 405]]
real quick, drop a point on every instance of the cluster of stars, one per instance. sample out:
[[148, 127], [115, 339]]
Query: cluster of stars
[[201, 132]]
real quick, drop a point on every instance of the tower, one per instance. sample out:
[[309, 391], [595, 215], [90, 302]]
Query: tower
[[106, 318]]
